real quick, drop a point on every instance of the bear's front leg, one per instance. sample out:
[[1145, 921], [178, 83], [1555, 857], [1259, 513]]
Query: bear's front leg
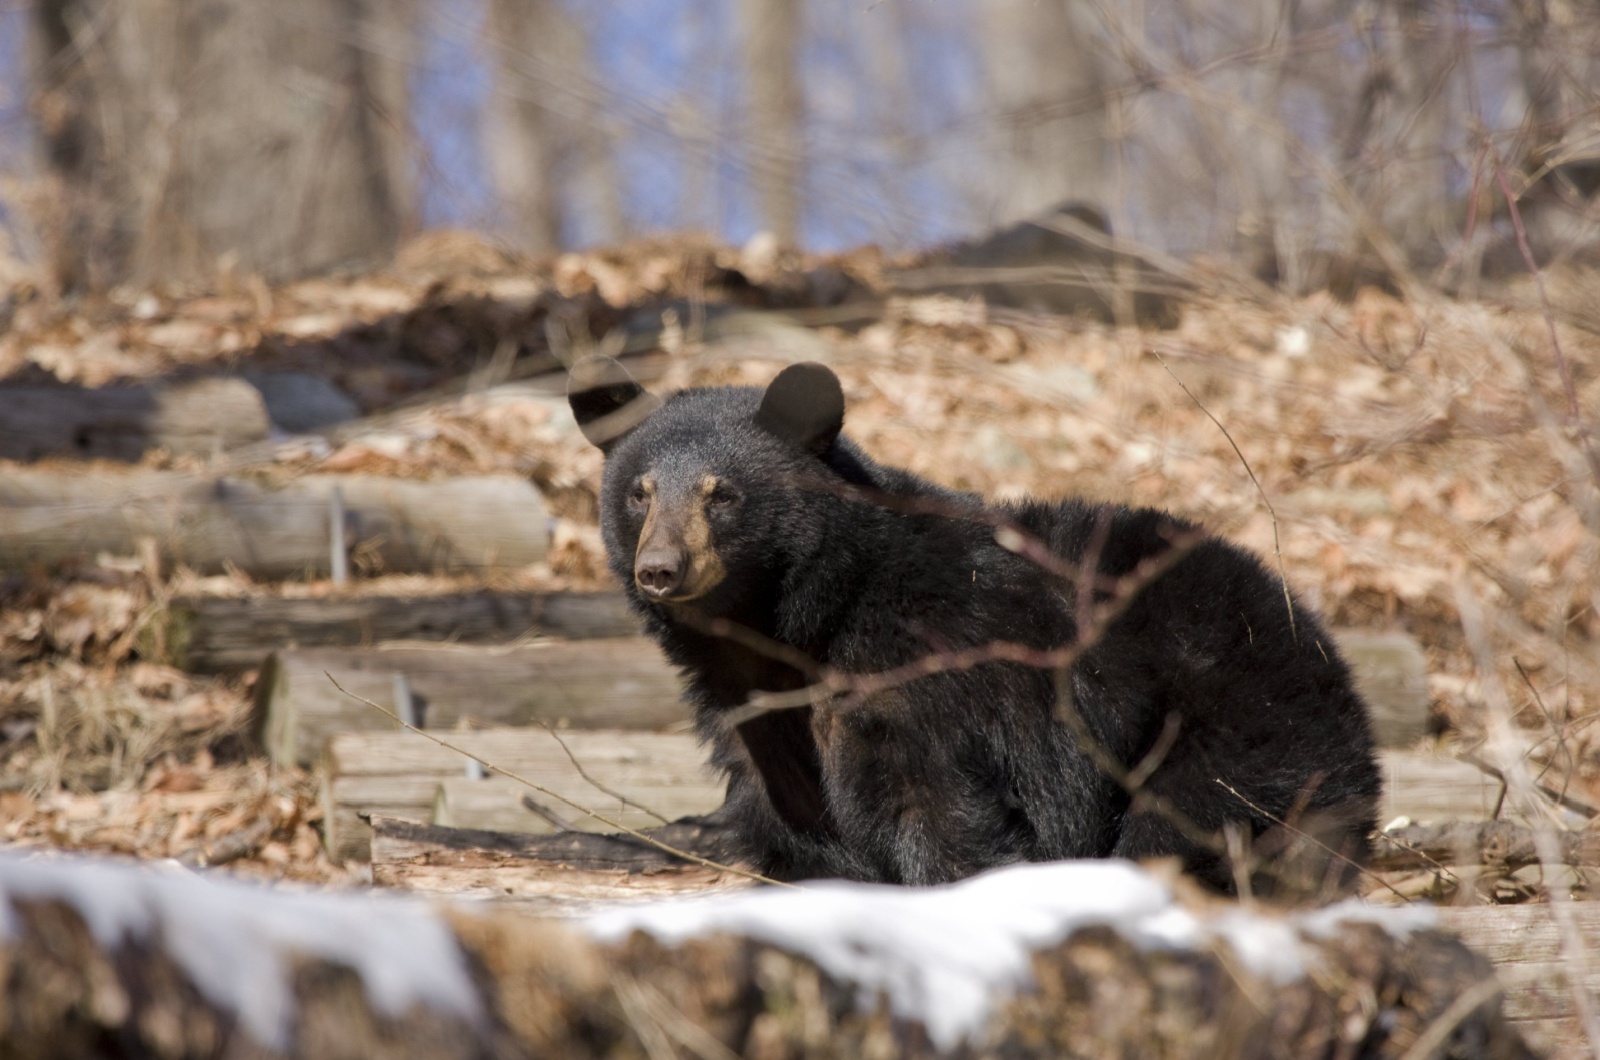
[[915, 800]]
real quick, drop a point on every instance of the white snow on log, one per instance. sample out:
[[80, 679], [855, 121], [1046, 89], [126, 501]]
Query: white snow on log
[[236, 941], [944, 955]]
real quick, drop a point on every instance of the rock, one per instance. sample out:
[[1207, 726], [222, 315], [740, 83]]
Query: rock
[[298, 402]]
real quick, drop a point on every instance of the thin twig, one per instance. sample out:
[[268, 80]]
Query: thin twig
[[837, 683], [1412, 848], [1141, 773], [1575, 420], [231, 847], [623, 799], [556, 821], [1501, 732], [1555, 795], [541, 789], [1283, 577], [655, 1017], [1555, 730]]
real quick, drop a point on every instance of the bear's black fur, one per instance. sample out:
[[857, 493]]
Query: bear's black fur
[[765, 552]]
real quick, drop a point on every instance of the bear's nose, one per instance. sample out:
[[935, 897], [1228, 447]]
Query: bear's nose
[[659, 571]]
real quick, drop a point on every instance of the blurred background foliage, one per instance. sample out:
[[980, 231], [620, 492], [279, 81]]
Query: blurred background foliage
[[1304, 143]]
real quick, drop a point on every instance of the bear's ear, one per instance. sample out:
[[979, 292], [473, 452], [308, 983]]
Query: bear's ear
[[605, 401], [804, 406]]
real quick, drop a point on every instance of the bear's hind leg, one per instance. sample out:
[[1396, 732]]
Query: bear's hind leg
[[1153, 833]]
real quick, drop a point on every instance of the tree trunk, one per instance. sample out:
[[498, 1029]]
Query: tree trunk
[[547, 136], [1556, 67], [771, 32], [1394, 154], [1046, 85], [187, 135], [1245, 142], [1559, 72], [522, 121]]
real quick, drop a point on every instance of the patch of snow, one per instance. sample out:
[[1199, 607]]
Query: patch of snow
[[235, 941], [944, 955], [1268, 946], [1399, 920]]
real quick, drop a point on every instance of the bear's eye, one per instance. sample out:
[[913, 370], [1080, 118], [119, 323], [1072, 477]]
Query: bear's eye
[[639, 496], [723, 497]]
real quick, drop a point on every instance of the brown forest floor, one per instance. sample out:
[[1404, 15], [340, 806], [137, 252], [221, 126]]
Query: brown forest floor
[[1419, 459]]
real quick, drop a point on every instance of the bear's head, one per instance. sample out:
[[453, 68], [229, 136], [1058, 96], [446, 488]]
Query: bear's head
[[710, 492]]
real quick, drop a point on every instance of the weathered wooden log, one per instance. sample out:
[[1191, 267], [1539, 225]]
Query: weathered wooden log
[[209, 523], [561, 873], [400, 774], [402, 849], [1064, 262], [1034, 961], [620, 683], [198, 418], [395, 773], [103, 959], [491, 617], [615, 683], [1525, 944], [209, 634], [500, 804], [1503, 844], [1416, 786], [1426, 787], [1391, 673]]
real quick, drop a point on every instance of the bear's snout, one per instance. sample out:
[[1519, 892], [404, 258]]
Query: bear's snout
[[676, 560], [659, 570]]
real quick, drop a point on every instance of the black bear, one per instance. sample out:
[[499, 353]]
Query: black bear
[[951, 686]]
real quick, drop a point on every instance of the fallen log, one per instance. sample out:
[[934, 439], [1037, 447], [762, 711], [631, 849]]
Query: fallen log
[[398, 770], [210, 634], [1391, 673], [1064, 262], [611, 683], [1033, 961], [209, 523], [500, 804], [104, 959], [199, 418], [405, 775], [219, 631], [1502, 844], [663, 776], [1525, 944], [558, 874], [1424, 787]]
